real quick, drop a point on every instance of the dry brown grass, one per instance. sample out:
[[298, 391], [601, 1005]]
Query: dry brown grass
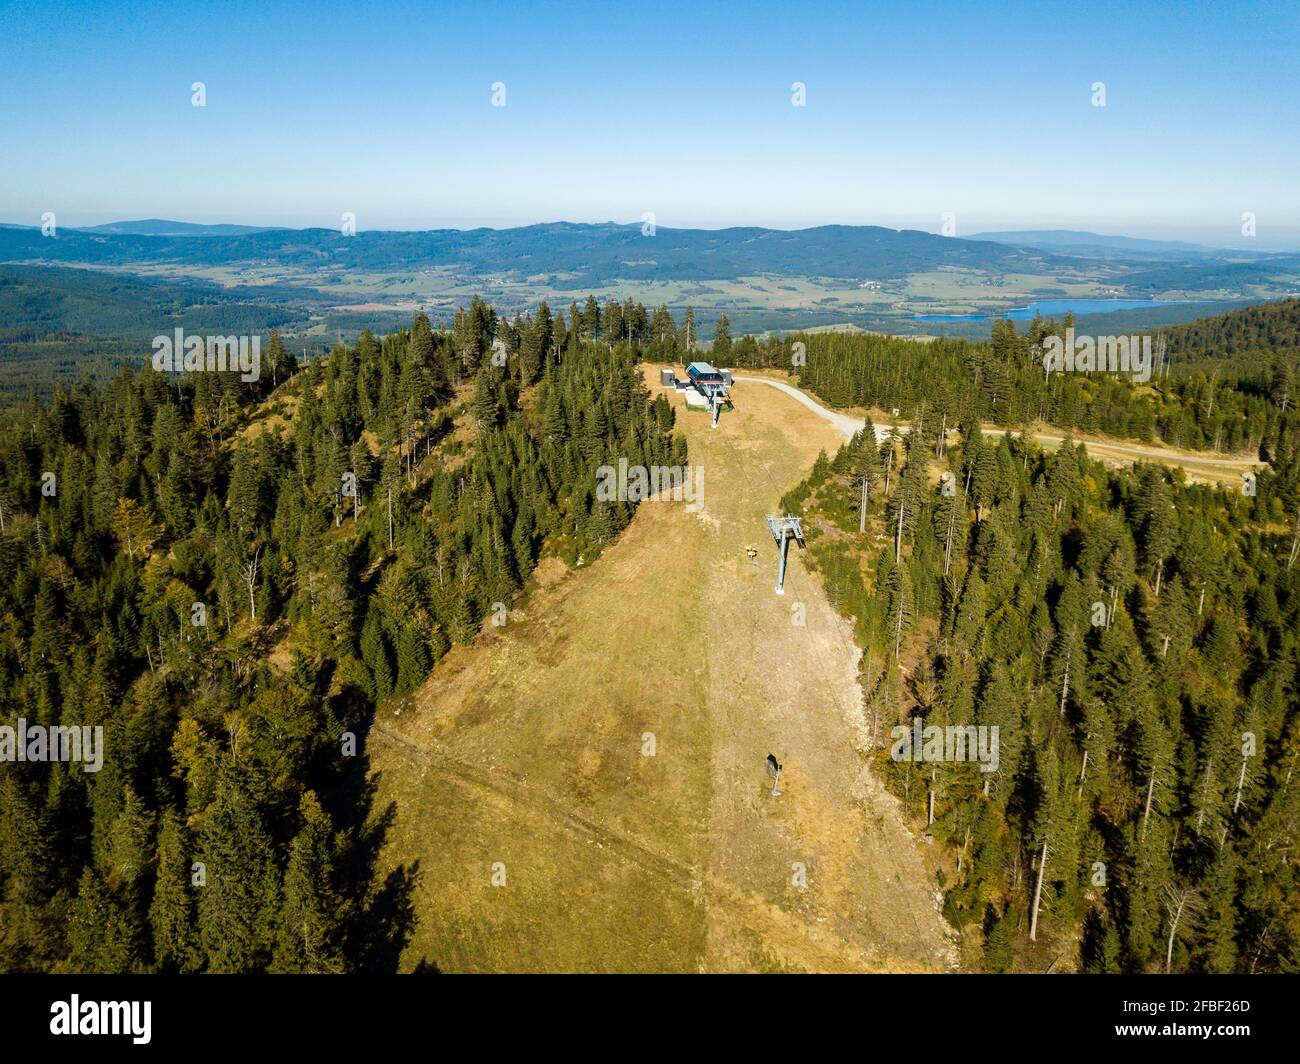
[[526, 749]]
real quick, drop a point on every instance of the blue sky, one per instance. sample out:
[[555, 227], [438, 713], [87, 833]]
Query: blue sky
[[680, 109]]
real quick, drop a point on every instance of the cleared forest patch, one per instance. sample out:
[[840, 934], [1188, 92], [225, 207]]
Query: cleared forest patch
[[524, 760]]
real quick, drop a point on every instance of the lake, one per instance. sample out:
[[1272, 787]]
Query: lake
[[1050, 308]]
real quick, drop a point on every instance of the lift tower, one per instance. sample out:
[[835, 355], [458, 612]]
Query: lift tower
[[783, 530]]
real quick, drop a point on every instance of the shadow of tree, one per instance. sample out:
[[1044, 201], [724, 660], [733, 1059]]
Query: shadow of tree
[[381, 925], [387, 922]]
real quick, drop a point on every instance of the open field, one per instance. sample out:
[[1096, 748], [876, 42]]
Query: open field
[[529, 751]]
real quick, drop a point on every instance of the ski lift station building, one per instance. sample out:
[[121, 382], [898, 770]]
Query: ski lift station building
[[704, 386], [701, 373]]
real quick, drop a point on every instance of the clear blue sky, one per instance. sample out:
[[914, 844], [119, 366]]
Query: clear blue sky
[[682, 109]]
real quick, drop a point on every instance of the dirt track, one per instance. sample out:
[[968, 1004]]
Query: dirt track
[[1217, 468]]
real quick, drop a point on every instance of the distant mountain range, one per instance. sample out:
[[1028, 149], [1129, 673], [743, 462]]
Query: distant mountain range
[[163, 227], [583, 254], [1074, 241]]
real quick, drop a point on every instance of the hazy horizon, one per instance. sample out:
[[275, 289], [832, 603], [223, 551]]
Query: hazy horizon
[[1285, 240]]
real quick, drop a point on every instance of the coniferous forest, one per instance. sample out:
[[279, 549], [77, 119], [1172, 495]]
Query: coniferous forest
[[226, 577], [1134, 637], [1223, 384]]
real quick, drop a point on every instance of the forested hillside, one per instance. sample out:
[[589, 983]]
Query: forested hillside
[[1134, 640], [40, 302], [185, 564], [1209, 395], [1261, 330], [63, 326]]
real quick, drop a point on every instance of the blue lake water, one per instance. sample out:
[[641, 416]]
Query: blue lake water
[[1050, 308]]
